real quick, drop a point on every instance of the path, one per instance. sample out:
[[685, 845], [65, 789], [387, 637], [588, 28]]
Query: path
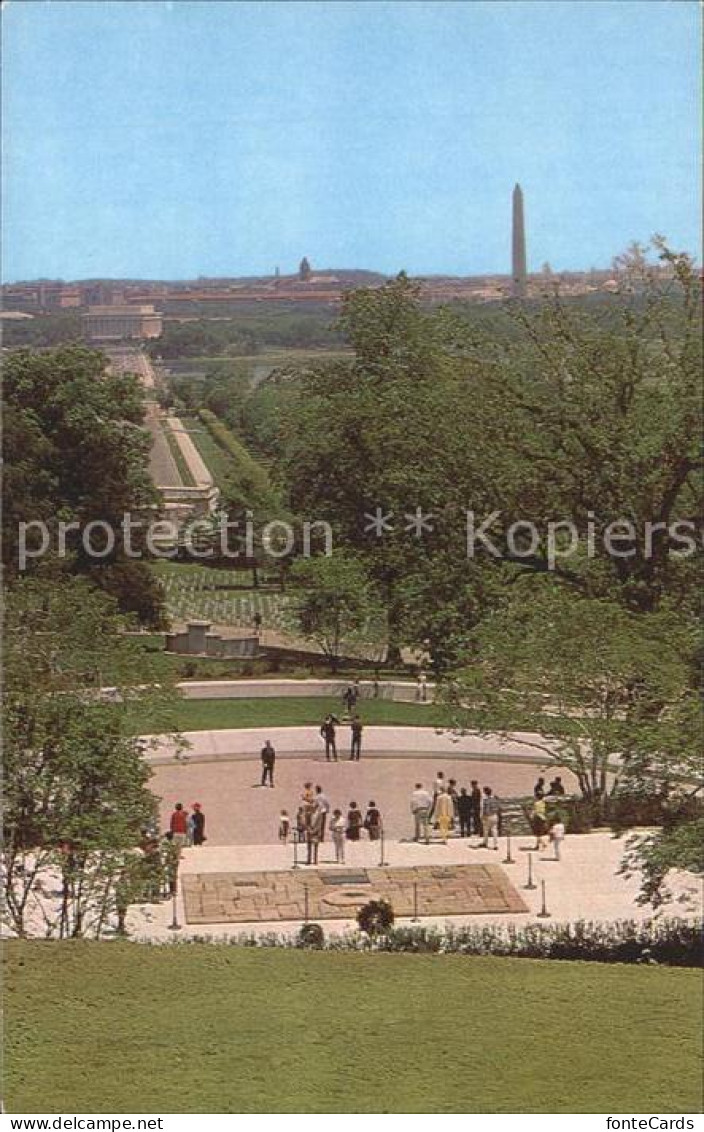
[[585, 885]]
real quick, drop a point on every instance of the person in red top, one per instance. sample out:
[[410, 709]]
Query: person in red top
[[179, 826]]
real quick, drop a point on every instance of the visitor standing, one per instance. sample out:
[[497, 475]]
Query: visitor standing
[[349, 699], [476, 796], [315, 822], [284, 827], [328, 733], [557, 836], [178, 826], [301, 818], [356, 748], [464, 812], [539, 822], [372, 822], [443, 814], [198, 824], [421, 805], [556, 788], [268, 757], [322, 803], [308, 794], [454, 795], [337, 830], [491, 810], [539, 788], [354, 822]]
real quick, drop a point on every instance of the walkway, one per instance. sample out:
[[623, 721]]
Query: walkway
[[388, 741], [585, 885], [404, 691]]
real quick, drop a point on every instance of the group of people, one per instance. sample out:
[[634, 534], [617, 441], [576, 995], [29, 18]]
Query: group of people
[[544, 825], [445, 807], [314, 813], [470, 811], [477, 811], [187, 829], [328, 731]]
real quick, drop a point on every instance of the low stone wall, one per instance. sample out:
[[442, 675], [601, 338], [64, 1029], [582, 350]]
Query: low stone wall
[[197, 640], [400, 691]]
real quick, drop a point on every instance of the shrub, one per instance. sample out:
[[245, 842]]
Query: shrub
[[376, 917], [673, 942], [311, 935]]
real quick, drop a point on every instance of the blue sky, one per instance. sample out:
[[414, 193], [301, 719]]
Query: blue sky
[[176, 139]]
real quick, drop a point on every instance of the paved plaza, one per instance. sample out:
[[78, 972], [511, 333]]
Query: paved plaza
[[240, 812], [319, 894], [584, 885], [243, 880]]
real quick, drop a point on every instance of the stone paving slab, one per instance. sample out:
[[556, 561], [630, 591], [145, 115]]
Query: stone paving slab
[[454, 890]]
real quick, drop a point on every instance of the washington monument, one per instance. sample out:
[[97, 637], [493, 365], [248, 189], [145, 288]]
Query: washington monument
[[518, 245]]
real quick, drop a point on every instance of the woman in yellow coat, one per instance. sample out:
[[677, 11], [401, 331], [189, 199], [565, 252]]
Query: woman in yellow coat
[[444, 811]]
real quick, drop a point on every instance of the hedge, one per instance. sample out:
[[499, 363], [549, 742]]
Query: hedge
[[672, 942]]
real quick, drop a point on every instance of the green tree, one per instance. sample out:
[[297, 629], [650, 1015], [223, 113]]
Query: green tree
[[74, 777], [75, 452], [574, 411], [608, 692], [333, 604]]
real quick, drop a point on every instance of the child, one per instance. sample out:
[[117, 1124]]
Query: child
[[284, 827], [557, 836], [337, 829]]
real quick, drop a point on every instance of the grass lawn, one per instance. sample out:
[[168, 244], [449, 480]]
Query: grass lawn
[[215, 459], [209, 715], [120, 1027], [184, 470]]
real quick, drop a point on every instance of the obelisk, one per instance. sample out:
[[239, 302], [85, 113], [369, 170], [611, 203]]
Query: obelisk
[[518, 245]]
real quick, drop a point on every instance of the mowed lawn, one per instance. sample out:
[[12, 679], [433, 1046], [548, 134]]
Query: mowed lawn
[[208, 715], [120, 1027]]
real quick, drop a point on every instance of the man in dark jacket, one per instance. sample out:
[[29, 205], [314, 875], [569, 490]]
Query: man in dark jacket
[[464, 812], [328, 733], [268, 760], [356, 748], [476, 796]]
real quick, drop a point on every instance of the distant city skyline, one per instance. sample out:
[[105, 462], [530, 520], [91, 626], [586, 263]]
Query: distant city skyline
[[171, 140]]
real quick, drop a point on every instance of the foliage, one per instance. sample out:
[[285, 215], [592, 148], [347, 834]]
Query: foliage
[[679, 846], [333, 603], [581, 412], [202, 336], [44, 330], [76, 452], [248, 483], [311, 935], [605, 688], [75, 781], [375, 918]]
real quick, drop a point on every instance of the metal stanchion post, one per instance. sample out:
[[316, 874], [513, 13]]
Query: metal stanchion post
[[295, 848], [306, 908], [414, 919], [508, 859], [530, 883], [174, 926], [543, 913]]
